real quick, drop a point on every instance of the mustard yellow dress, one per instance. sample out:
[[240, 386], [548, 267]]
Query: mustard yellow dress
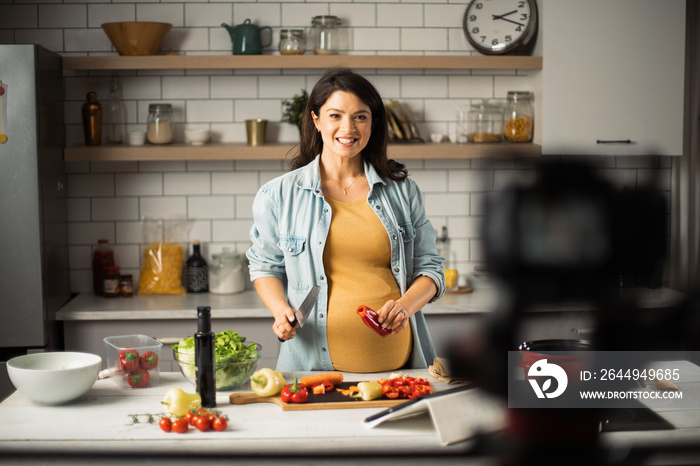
[[357, 263]]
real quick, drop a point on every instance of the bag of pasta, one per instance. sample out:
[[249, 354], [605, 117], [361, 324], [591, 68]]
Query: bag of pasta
[[161, 263]]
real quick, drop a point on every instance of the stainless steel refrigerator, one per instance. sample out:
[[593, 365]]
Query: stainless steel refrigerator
[[34, 280]]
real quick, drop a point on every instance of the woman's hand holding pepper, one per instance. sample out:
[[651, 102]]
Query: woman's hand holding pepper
[[394, 316]]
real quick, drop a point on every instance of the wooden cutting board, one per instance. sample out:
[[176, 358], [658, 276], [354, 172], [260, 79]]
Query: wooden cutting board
[[331, 400]]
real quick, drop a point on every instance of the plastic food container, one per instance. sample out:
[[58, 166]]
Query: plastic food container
[[133, 361]]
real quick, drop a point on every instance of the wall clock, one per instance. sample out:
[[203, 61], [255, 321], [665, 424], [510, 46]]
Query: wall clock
[[496, 27]]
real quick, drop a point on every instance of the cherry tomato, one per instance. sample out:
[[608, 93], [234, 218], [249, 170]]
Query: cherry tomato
[[189, 417], [392, 395], [219, 424], [165, 424], [202, 423], [180, 426]]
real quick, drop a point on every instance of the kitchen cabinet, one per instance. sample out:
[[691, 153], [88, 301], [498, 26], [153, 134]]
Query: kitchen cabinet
[[614, 80], [279, 151]]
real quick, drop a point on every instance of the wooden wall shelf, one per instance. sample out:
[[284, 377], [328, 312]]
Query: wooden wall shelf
[[241, 151], [276, 151], [155, 62]]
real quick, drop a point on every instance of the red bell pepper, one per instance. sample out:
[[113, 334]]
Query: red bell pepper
[[129, 360], [295, 393], [139, 378], [149, 360], [371, 319]]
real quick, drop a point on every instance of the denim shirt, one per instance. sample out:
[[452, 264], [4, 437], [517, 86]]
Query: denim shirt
[[292, 220]]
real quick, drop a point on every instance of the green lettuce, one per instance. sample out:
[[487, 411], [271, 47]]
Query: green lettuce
[[234, 360]]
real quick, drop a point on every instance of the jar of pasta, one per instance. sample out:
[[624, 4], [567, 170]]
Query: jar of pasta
[[519, 117]]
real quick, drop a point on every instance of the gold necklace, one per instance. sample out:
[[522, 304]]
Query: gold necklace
[[345, 190]]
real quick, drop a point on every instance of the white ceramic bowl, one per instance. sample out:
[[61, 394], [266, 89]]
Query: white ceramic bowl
[[55, 377], [137, 138], [196, 136]]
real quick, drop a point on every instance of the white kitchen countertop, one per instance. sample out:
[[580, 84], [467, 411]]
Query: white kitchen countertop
[[248, 305], [99, 424]]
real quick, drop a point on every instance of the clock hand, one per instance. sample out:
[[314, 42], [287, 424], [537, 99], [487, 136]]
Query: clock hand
[[511, 21], [504, 14]]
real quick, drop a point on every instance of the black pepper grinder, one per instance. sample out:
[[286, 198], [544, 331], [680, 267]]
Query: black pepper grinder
[[204, 358]]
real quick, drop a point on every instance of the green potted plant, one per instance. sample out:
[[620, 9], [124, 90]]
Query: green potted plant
[[294, 109]]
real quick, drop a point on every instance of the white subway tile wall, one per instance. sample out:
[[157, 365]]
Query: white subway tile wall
[[211, 200]]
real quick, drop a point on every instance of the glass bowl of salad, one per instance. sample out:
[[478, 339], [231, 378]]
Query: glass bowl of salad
[[235, 361]]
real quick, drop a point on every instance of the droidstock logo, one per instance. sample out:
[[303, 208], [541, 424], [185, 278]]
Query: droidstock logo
[[547, 371]]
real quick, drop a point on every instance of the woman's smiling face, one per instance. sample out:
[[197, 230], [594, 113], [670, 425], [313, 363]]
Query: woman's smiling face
[[345, 123]]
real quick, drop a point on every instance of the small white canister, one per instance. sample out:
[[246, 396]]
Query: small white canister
[[226, 273]]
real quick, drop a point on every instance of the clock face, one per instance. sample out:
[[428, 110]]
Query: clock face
[[499, 26]]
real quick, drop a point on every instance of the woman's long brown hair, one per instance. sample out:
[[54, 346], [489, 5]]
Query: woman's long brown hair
[[311, 144]]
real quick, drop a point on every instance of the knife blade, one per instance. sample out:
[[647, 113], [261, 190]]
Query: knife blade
[[305, 309]]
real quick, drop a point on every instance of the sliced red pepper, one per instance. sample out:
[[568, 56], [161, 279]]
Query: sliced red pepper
[[371, 319], [322, 388], [149, 360], [405, 387], [138, 378], [295, 393], [319, 389], [129, 360]]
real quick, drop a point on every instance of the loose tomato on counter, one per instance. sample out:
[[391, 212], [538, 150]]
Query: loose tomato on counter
[[202, 419], [219, 424], [166, 425], [180, 426]]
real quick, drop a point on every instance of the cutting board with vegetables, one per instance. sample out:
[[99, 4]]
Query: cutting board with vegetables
[[331, 400]]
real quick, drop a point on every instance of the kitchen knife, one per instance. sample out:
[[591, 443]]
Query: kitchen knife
[[305, 309]]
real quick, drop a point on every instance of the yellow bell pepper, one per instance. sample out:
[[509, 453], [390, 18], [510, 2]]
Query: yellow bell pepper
[[178, 402], [267, 382], [369, 391]]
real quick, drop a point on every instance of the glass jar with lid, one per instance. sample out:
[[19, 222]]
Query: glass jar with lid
[[292, 42], [161, 127], [519, 117], [325, 34], [484, 122]]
